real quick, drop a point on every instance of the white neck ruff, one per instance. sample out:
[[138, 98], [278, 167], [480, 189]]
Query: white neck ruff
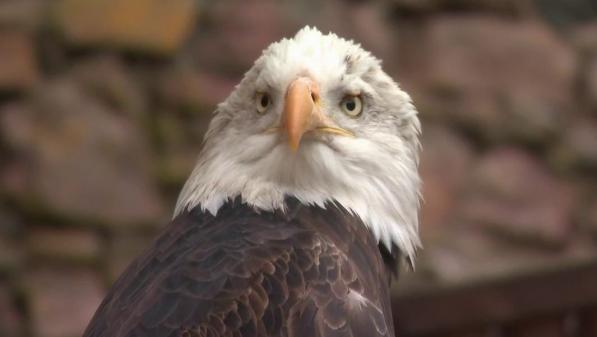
[[376, 187]]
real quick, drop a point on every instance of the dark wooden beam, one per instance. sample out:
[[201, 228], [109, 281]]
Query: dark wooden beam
[[535, 294]]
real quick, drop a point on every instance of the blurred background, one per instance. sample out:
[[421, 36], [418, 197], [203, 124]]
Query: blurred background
[[103, 106]]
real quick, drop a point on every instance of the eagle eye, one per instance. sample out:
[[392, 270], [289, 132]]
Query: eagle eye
[[263, 101], [352, 105]]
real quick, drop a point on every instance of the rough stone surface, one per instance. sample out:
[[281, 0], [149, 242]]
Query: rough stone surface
[[509, 7], [499, 78], [239, 31], [62, 301], [366, 23], [444, 169], [10, 224], [10, 319], [70, 167], [181, 145], [191, 97], [567, 14], [107, 77], [24, 14], [18, 68], [584, 37], [148, 25], [589, 218], [122, 250], [577, 149], [513, 194], [11, 256], [66, 245], [194, 91], [591, 82], [466, 254]]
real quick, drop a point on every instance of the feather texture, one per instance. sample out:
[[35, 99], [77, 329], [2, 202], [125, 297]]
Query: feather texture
[[308, 271]]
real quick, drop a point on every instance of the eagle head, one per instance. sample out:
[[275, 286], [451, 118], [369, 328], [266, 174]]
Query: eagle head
[[316, 118]]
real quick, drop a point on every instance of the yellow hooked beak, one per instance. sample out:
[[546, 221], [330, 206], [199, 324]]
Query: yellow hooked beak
[[302, 112]]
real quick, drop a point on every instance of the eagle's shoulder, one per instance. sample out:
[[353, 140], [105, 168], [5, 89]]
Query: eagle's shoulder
[[307, 271]]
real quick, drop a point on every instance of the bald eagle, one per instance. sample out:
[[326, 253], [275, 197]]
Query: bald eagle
[[304, 198]]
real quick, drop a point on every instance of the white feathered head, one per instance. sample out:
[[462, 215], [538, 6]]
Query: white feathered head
[[315, 118]]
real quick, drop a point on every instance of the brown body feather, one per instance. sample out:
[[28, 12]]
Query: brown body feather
[[306, 272]]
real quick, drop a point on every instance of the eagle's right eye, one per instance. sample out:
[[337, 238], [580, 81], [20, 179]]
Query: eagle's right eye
[[263, 101]]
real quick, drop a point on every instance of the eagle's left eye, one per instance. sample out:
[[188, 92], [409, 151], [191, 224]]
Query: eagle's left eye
[[263, 101], [352, 105]]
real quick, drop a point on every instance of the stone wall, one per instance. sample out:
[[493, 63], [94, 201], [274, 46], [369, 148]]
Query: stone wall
[[103, 105]]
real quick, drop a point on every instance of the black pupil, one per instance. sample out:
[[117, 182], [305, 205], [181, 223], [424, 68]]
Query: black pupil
[[351, 105], [264, 100]]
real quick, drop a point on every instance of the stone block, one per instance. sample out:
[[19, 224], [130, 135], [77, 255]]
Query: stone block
[[512, 193], [28, 15], [78, 159], [500, 79], [146, 25], [62, 301], [18, 66], [11, 320], [445, 165], [64, 245]]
